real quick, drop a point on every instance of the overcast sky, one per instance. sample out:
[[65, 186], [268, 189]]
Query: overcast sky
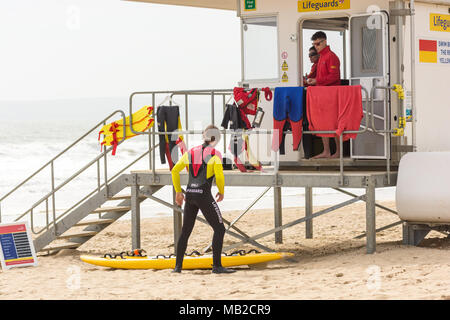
[[63, 49]]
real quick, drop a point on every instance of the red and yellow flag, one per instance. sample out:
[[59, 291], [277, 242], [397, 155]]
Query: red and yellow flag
[[428, 51]]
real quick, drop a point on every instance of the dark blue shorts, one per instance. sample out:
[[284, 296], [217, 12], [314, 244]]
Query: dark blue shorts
[[288, 103]]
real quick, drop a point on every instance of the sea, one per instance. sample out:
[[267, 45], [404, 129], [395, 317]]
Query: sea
[[32, 133]]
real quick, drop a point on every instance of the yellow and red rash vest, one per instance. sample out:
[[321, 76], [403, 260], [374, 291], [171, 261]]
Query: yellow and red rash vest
[[203, 163]]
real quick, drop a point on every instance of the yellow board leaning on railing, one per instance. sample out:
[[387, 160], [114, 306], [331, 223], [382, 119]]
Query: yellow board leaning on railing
[[114, 132]]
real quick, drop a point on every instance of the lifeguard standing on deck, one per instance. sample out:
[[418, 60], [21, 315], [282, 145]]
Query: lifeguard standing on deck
[[204, 163], [328, 74]]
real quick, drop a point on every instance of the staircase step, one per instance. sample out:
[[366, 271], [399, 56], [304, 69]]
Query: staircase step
[[124, 197], [67, 245], [78, 235], [111, 209], [91, 222]]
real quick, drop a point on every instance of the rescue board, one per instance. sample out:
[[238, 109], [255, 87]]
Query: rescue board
[[114, 132], [189, 263], [142, 119]]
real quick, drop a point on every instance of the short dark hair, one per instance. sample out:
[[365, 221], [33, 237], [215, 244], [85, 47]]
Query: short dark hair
[[319, 35], [313, 49], [211, 133]]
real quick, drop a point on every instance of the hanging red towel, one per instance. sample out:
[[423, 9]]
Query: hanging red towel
[[335, 108]]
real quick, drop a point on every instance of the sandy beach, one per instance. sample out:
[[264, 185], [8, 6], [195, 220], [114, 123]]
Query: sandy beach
[[333, 265]]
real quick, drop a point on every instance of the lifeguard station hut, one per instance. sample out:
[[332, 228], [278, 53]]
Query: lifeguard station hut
[[398, 51]]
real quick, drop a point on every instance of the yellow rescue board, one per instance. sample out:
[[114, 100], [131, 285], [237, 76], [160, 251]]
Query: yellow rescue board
[[199, 262], [114, 132], [142, 126]]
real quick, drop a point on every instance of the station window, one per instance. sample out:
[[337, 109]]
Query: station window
[[369, 50], [260, 48]]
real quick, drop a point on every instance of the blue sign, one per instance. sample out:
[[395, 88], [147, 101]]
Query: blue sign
[[8, 246], [16, 246]]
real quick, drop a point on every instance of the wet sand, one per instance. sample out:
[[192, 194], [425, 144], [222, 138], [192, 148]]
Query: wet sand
[[333, 265]]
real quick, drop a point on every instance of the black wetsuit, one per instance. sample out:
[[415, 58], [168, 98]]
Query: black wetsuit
[[168, 118], [198, 196]]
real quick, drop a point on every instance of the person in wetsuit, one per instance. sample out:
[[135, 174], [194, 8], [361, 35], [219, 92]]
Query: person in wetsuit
[[204, 164]]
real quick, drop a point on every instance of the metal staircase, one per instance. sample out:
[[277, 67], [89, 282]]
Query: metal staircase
[[88, 216], [94, 212], [64, 231]]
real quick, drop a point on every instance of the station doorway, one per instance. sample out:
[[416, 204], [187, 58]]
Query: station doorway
[[362, 44]]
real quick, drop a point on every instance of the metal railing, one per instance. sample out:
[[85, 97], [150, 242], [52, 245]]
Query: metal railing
[[151, 152], [186, 93], [51, 196], [224, 93]]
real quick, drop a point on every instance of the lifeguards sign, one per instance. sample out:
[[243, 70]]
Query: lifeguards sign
[[322, 5], [16, 246], [440, 22]]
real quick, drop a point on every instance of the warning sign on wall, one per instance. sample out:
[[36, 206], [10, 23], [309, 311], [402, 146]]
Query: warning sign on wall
[[434, 51], [284, 66], [285, 77], [16, 246]]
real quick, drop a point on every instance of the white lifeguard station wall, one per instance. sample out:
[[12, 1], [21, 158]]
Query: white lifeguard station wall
[[432, 108], [416, 55], [432, 78]]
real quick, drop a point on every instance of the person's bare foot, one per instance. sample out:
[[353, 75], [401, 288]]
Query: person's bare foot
[[335, 156], [323, 155]]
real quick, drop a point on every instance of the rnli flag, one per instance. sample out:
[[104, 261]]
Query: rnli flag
[[428, 51]]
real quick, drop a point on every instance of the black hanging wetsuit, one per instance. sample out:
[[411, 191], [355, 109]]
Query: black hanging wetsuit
[[168, 120]]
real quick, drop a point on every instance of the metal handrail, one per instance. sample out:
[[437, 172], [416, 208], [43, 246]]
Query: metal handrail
[[229, 91], [341, 143], [51, 164], [84, 198], [61, 153], [384, 132], [152, 146], [225, 131], [186, 93], [212, 92], [372, 100]]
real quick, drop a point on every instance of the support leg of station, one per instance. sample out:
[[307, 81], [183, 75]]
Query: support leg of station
[[370, 217], [309, 212], [278, 214], [414, 234], [135, 218]]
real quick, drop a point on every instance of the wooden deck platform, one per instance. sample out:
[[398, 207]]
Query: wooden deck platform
[[284, 178], [300, 178]]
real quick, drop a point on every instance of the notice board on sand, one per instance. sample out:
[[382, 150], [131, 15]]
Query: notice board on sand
[[16, 246]]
